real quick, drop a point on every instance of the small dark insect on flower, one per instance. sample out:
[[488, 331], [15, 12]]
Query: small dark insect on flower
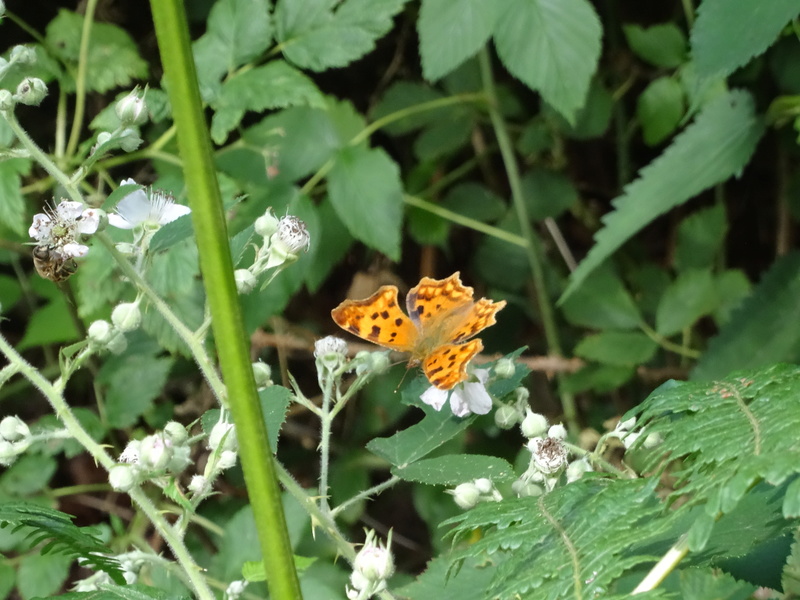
[[51, 265]]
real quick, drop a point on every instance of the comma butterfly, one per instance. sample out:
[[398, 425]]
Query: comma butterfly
[[443, 316]]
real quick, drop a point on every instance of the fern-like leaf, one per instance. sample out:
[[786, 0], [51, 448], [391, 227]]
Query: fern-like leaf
[[60, 535], [713, 148]]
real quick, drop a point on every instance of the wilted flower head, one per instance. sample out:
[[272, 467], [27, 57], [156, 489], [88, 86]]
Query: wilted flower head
[[288, 240], [330, 352], [466, 398], [549, 454], [138, 209]]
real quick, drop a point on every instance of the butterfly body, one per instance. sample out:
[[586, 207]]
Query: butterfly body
[[442, 317]]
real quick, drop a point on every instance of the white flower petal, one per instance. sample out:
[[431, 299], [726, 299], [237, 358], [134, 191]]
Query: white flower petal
[[434, 397], [476, 398], [172, 211], [69, 211], [134, 208], [41, 227], [119, 221], [89, 221], [75, 250], [458, 404]]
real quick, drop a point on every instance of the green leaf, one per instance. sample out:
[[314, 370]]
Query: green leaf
[[274, 85], [413, 443], [691, 296], [313, 36], [727, 34], [365, 189], [42, 574], [661, 45], [547, 193], [275, 401], [758, 332], [697, 584], [445, 137], [475, 201], [10, 292], [660, 109], [451, 31], [134, 381], [333, 242], [598, 378], [254, 571], [455, 469], [243, 27], [30, 474], [8, 579], [602, 302], [50, 324], [403, 95], [715, 147], [127, 592], [467, 583], [617, 348], [113, 59], [700, 238], [12, 208], [553, 47], [733, 287]]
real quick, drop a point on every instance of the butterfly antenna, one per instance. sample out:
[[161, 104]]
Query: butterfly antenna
[[402, 379]]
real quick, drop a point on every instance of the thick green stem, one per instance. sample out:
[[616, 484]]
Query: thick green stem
[[208, 217], [80, 79], [533, 247]]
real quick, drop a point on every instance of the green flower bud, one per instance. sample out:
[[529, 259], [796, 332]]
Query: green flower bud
[[577, 469], [506, 417], [132, 109], [31, 91], [100, 333], [13, 429], [466, 495], [374, 561], [266, 225], [225, 434], [154, 453], [198, 485], [117, 344], [227, 459], [123, 478], [129, 140], [179, 459], [558, 432], [505, 368], [533, 425], [176, 433], [127, 316], [262, 374], [8, 453], [523, 488], [7, 101], [379, 362], [245, 281], [23, 55]]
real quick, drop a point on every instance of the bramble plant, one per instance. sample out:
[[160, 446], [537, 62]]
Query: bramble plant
[[181, 416]]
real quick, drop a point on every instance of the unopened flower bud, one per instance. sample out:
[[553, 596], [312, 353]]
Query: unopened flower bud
[[652, 440], [577, 469], [235, 589], [533, 425], [557, 431], [13, 429], [224, 434], [484, 485], [227, 459], [127, 316], [505, 368], [245, 281], [7, 101], [132, 109], [379, 362], [8, 453], [122, 478], [131, 452], [198, 485], [100, 332], [374, 561], [176, 433], [466, 495], [23, 55], [31, 91], [154, 453], [506, 417], [521, 395], [103, 137], [262, 373], [179, 459], [266, 224]]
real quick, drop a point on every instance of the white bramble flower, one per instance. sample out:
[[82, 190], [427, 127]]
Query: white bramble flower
[[138, 209], [465, 398], [61, 230]]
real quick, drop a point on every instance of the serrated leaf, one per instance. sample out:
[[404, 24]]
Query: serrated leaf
[[315, 37], [553, 47], [617, 348], [12, 208], [127, 592], [415, 442], [791, 503], [50, 324], [42, 574], [467, 583], [700, 238], [713, 148], [733, 287], [445, 137], [697, 584], [113, 59], [691, 296], [451, 31], [660, 109], [754, 25], [270, 86], [661, 45], [598, 378], [475, 201], [134, 381], [757, 333], [243, 27], [456, 469], [547, 193], [30, 474], [405, 94], [365, 189], [602, 302], [275, 401], [332, 244]]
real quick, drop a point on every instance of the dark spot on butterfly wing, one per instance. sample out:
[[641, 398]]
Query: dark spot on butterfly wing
[[385, 315], [375, 333]]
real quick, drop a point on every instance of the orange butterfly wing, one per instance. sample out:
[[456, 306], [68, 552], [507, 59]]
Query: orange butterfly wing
[[378, 319], [446, 366]]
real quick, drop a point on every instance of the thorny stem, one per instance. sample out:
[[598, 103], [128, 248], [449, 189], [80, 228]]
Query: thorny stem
[[326, 421]]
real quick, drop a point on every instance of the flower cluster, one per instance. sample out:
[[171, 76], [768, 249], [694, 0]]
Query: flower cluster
[[470, 494], [282, 242], [372, 566], [165, 452], [15, 437], [624, 432], [130, 565]]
